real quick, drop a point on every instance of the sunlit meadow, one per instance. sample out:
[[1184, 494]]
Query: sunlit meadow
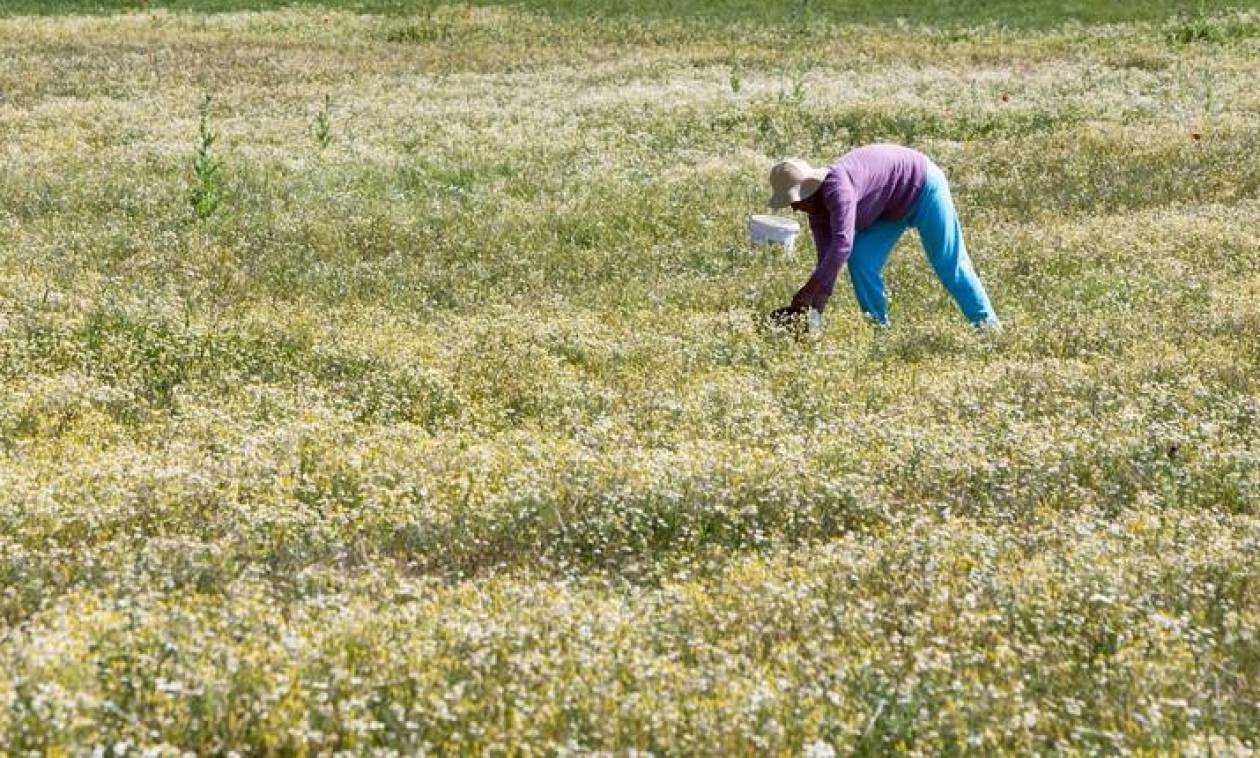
[[385, 380]]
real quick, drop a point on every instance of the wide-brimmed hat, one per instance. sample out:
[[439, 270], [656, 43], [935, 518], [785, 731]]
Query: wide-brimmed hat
[[792, 180]]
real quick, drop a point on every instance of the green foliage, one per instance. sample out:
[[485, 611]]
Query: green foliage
[[462, 437], [207, 191], [424, 30], [323, 124], [1204, 27], [1021, 14]]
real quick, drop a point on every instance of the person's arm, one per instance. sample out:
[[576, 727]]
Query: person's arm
[[833, 237], [820, 228]]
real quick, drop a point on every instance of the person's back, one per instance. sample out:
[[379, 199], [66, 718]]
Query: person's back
[[886, 180]]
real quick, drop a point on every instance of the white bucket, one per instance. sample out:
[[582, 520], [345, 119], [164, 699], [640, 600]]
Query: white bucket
[[764, 229]]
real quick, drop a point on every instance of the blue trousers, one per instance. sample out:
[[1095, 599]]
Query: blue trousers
[[934, 217]]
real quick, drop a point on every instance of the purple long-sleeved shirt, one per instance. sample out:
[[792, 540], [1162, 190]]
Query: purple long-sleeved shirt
[[867, 184]]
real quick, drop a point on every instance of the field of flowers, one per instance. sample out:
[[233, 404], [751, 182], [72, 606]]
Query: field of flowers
[[388, 382]]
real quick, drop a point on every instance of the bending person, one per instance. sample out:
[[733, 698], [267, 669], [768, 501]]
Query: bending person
[[858, 208]]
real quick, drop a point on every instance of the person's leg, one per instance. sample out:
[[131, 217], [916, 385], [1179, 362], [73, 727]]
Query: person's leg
[[941, 233], [871, 248]]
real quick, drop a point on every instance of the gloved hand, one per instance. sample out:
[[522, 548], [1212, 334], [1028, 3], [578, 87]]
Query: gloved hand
[[787, 316], [794, 319]]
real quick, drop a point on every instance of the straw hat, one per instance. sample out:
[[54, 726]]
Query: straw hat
[[793, 180]]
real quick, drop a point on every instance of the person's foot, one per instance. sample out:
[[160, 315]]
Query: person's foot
[[880, 326], [989, 325]]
